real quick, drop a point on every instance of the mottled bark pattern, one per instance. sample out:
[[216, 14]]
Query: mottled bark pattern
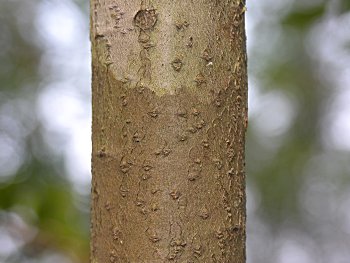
[[169, 121]]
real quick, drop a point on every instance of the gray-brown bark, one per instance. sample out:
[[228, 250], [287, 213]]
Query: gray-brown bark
[[169, 119]]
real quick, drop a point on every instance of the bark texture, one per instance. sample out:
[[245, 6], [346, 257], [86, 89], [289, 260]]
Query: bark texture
[[169, 119]]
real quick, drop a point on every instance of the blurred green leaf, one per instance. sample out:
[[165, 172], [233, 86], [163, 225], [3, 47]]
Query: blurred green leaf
[[304, 18], [345, 6]]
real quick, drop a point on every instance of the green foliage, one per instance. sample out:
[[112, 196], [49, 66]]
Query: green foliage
[[37, 192], [302, 19], [298, 175], [344, 6]]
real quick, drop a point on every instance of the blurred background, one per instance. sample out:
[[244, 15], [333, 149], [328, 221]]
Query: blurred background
[[298, 145]]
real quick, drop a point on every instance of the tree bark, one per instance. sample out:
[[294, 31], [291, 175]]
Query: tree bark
[[169, 96]]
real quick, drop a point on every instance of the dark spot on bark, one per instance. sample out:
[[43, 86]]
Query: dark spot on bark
[[175, 195], [143, 37], [192, 129], [166, 151], [147, 167], [176, 64], [145, 19], [108, 205], [204, 213], [218, 103], [195, 112], [182, 113], [231, 172], [200, 124], [154, 113], [200, 79], [206, 55], [190, 42], [182, 137], [102, 153], [205, 144], [182, 25], [154, 238], [124, 167]]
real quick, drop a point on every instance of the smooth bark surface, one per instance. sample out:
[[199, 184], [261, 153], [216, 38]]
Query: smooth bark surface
[[169, 120]]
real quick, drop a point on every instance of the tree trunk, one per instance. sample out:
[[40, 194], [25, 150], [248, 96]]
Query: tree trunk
[[169, 95]]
